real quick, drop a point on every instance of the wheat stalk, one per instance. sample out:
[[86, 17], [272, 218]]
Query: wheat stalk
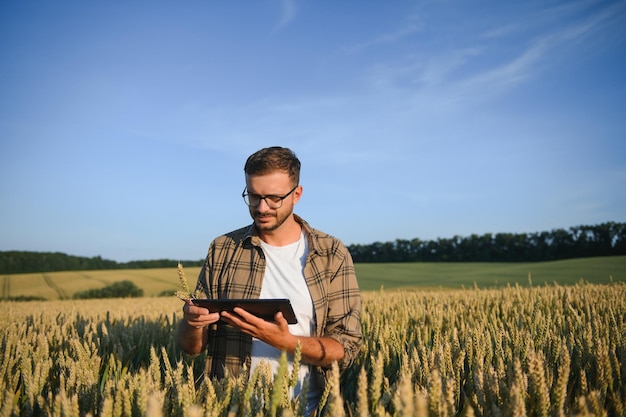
[[185, 294]]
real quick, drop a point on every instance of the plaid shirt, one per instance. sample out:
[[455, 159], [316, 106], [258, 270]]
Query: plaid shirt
[[234, 268]]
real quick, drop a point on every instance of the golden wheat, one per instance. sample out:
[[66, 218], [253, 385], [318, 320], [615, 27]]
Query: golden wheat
[[542, 351]]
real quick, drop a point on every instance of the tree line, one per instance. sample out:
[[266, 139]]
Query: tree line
[[16, 262], [606, 239]]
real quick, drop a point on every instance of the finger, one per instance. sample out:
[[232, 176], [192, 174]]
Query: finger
[[202, 320], [240, 324], [245, 324], [205, 320], [244, 314], [279, 317], [194, 309], [281, 321], [233, 319], [202, 316], [213, 317]]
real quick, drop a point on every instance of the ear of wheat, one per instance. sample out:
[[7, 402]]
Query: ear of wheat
[[185, 294]]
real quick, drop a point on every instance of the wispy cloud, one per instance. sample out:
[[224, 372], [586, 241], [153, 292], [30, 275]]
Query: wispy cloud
[[500, 31], [526, 63], [386, 38], [466, 74], [422, 74], [288, 13]]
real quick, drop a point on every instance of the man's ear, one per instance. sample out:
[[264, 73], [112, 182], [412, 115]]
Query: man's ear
[[297, 194]]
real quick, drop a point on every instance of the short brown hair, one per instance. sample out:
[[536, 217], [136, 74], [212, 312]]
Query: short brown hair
[[275, 158]]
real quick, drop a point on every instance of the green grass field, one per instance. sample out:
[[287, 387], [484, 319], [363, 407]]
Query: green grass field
[[602, 270]]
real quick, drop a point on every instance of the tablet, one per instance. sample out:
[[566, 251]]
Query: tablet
[[263, 308]]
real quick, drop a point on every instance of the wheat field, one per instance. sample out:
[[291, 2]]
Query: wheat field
[[538, 351]]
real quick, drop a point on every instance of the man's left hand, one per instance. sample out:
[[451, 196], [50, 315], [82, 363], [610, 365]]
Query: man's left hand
[[275, 333]]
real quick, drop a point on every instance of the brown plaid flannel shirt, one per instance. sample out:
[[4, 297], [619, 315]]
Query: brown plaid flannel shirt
[[234, 268]]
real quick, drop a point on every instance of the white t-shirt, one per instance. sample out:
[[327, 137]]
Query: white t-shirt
[[284, 278]]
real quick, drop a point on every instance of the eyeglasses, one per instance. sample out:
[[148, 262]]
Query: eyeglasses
[[272, 201]]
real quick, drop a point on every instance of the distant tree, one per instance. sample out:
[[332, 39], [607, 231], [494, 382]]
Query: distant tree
[[121, 289]]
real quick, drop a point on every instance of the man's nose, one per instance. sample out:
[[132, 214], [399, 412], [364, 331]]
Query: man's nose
[[263, 206]]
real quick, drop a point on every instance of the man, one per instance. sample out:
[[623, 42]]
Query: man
[[278, 256]]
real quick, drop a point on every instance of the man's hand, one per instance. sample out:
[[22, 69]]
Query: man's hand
[[198, 317], [275, 333], [190, 334]]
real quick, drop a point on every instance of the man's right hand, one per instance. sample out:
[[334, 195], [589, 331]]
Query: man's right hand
[[198, 317], [191, 336]]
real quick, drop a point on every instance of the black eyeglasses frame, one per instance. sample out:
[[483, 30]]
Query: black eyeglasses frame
[[273, 205]]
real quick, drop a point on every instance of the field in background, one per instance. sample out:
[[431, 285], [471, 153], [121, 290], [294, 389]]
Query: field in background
[[600, 270], [154, 282]]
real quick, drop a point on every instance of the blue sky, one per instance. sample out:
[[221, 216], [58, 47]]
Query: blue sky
[[124, 126]]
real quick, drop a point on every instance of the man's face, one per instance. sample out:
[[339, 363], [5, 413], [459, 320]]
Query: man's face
[[278, 183]]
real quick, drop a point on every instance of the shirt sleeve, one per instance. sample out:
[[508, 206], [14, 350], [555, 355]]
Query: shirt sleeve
[[344, 311]]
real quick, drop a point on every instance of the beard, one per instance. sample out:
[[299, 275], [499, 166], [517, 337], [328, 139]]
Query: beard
[[268, 222]]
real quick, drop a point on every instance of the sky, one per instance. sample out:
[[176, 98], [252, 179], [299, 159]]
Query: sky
[[125, 125]]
